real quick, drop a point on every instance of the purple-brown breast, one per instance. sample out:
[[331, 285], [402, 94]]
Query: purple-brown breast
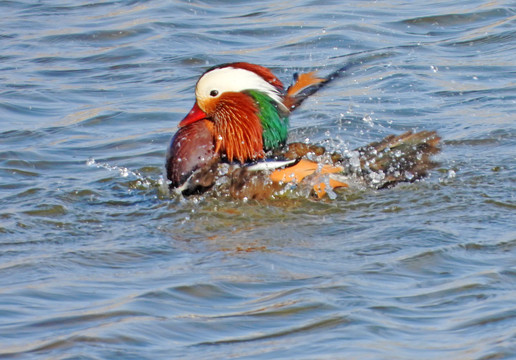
[[191, 148]]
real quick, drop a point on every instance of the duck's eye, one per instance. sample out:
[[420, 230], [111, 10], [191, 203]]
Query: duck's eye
[[214, 93]]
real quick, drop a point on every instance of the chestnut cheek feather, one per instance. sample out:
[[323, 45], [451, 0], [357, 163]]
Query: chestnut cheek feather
[[238, 129]]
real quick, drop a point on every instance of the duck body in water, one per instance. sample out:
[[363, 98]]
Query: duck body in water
[[235, 136]]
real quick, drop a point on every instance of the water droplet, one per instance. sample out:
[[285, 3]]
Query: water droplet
[[368, 120], [376, 177], [354, 161]]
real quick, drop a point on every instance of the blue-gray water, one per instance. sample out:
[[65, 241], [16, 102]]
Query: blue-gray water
[[96, 262]]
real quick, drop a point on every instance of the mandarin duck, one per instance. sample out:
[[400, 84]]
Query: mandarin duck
[[234, 139]]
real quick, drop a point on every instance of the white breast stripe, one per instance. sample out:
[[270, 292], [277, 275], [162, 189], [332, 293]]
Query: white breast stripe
[[269, 165]]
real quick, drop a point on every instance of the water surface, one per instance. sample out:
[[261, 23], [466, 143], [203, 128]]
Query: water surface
[[97, 262]]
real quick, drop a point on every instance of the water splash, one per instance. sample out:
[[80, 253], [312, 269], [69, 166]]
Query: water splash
[[142, 181], [448, 177]]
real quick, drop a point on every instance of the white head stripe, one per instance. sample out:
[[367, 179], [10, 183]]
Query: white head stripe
[[229, 79]]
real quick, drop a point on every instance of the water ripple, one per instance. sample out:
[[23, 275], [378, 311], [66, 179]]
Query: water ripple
[[99, 261]]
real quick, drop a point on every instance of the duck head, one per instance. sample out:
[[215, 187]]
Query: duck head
[[244, 102]]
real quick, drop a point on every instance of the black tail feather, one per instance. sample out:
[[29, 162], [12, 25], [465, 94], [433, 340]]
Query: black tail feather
[[337, 74]]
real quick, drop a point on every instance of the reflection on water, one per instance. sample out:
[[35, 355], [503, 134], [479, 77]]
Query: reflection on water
[[98, 261]]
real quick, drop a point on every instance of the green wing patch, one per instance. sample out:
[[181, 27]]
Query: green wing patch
[[275, 126]]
